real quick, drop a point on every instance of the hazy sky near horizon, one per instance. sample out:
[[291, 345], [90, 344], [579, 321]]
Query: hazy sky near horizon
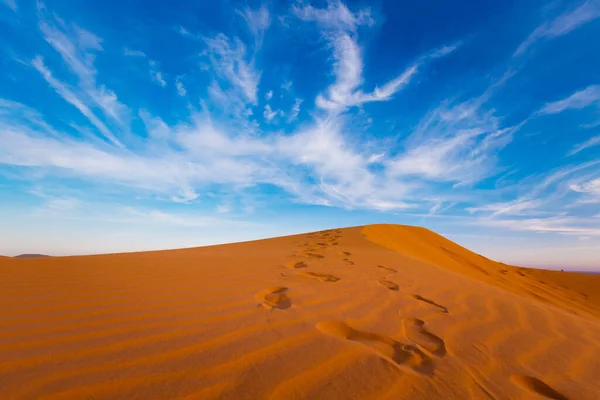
[[130, 125]]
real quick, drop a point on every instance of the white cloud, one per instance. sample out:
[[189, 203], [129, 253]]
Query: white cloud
[[187, 34], [269, 95], [543, 203], [348, 74], [269, 113], [69, 96], [156, 127], [314, 165], [295, 109], [590, 188], [593, 141], [560, 225], [519, 206], [258, 22], [339, 27], [375, 158], [134, 53], [563, 24], [454, 144], [578, 100], [180, 87], [388, 90], [336, 16], [229, 61], [77, 48], [156, 74], [287, 85]]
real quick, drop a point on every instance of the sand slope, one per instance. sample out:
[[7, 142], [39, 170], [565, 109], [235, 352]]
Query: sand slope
[[380, 312]]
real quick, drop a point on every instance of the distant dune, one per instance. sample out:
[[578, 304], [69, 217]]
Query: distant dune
[[374, 312], [31, 256]]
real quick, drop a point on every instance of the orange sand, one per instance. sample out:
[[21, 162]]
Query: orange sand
[[375, 312]]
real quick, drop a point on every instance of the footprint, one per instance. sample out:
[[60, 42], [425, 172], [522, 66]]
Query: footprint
[[349, 262], [536, 386], [321, 277], [346, 253], [388, 284], [314, 255], [296, 264], [387, 269], [414, 330], [433, 303], [406, 357], [274, 297]]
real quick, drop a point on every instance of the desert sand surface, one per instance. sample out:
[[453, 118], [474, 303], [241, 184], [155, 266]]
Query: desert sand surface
[[374, 312]]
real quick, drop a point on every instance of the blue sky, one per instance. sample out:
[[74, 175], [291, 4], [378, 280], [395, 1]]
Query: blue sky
[[130, 125]]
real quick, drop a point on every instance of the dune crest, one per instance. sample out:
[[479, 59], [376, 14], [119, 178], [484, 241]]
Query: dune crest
[[375, 312], [548, 286]]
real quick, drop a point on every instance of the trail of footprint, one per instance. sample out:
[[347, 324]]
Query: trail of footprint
[[406, 357], [414, 330], [295, 264], [319, 276], [536, 386], [274, 297], [433, 303], [388, 284], [387, 269]]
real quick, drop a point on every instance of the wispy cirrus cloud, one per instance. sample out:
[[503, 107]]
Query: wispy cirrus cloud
[[231, 62], [68, 95], [181, 90], [295, 111], [545, 203], [562, 24], [559, 225], [520, 206], [581, 99], [133, 53], [336, 16], [590, 188], [77, 48], [270, 114], [339, 28], [12, 4], [258, 22], [156, 74], [455, 143], [578, 100], [591, 142]]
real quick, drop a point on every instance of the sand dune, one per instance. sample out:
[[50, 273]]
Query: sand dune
[[375, 312], [31, 256]]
